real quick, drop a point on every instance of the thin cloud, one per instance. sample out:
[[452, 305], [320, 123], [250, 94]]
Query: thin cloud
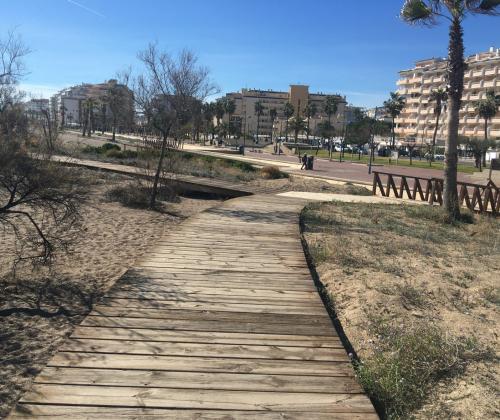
[[88, 9]]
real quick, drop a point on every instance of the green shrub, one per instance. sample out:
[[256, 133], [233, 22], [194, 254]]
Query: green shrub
[[104, 149], [244, 166], [356, 189], [138, 195], [119, 154], [130, 195], [272, 172], [91, 150], [109, 146], [408, 361]]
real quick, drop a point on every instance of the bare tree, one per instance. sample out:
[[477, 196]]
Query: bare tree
[[12, 53], [166, 93], [12, 118], [39, 202]]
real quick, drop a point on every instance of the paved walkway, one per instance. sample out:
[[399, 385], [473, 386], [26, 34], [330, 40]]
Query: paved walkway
[[323, 168], [222, 320]]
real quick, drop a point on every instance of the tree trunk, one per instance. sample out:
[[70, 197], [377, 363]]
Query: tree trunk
[[114, 128], [485, 141], [154, 191], [307, 133], [455, 72], [431, 157], [393, 134], [286, 131]]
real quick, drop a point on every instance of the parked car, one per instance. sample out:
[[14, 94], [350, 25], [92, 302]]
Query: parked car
[[436, 157]]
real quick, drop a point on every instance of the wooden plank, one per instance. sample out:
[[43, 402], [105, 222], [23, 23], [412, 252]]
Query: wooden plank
[[201, 325], [214, 283], [197, 399], [180, 297], [215, 337], [211, 291], [71, 412], [321, 320], [202, 350], [201, 364], [131, 302], [199, 380]]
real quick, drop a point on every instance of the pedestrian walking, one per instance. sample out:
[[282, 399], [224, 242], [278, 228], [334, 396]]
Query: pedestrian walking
[[304, 162]]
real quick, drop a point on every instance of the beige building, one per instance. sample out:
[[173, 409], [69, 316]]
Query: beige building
[[246, 117], [417, 120], [67, 103]]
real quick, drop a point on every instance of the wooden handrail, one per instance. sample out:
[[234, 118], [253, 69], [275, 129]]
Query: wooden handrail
[[484, 198]]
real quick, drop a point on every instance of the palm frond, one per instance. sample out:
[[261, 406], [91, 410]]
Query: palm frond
[[484, 7], [419, 12]]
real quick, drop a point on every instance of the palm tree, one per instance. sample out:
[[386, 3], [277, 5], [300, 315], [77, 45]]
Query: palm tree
[[330, 108], [310, 112], [393, 106], [324, 130], [487, 109], [427, 12], [288, 112], [297, 125], [259, 111], [219, 110], [273, 114], [208, 112], [230, 108], [439, 96]]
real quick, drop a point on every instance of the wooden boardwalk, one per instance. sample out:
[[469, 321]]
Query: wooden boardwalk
[[222, 321]]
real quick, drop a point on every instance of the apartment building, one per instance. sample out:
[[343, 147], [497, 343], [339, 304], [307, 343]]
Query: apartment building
[[67, 103], [417, 120], [297, 95]]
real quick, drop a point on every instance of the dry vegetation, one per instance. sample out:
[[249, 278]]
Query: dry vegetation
[[418, 299], [112, 238]]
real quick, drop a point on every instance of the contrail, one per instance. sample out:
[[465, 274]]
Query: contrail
[[88, 9]]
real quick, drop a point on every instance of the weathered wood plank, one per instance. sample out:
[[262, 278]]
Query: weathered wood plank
[[319, 320], [132, 302], [196, 399], [215, 337], [201, 364], [201, 325], [199, 380], [202, 350], [71, 412]]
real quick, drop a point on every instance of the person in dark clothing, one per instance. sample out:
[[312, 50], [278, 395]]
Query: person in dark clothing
[[304, 162], [310, 160]]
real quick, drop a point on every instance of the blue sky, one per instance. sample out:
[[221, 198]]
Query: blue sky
[[355, 48]]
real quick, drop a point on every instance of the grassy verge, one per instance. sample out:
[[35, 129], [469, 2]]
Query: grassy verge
[[177, 161], [416, 163], [417, 297]]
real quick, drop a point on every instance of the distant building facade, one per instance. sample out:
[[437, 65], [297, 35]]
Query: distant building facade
[[34, 108], [68, 103], [298, 95], [417, 120]]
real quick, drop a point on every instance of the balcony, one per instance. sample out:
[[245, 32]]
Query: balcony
[[490, 84], [491, 72], [415, 79], [412, 100]]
